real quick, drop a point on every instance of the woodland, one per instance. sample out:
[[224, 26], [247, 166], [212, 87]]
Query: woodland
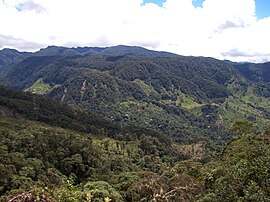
[[129, 124]]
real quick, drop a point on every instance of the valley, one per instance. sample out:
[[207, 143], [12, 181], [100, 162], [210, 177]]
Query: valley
[[183, 97], [129, 124]]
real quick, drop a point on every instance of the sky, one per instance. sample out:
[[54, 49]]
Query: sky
[[236, 30]]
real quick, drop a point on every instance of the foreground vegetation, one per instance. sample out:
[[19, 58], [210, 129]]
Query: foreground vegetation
[[45, 160]]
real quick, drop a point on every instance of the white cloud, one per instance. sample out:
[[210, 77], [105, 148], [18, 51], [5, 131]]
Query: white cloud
[[10, 41], [225, 29]]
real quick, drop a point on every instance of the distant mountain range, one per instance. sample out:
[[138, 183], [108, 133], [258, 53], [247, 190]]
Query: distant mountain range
[[188, 98], [9, 57]]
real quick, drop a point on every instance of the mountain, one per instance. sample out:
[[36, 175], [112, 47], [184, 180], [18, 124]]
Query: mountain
[[129, 124], [9, 58], [49, 145], [122, 50], [255, 72], [59, 114], [63, 51], [187, 98], [41, 161]]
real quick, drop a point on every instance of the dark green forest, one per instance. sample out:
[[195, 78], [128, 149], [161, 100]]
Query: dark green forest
[[190, 99], [45, 162], [129, 124]]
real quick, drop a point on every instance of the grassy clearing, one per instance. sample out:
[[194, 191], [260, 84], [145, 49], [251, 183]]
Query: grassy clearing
[[41, 88], [187, 102], [148, 90]]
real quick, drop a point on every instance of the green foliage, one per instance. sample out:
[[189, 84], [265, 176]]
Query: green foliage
[[244, 172], [164, 94], [38, 161], [255, 72], [190, 168], [39, 87], [34, 154], [124, 183], [185, 99], [159, 91], [100, 190], [242, 127], [40, 108], [167, 187]]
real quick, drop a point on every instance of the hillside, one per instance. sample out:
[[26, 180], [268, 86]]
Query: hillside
[[9, 58], [255, 72], [188, 98], [61, 153], [39, 108], [129, 124], [44, 162]]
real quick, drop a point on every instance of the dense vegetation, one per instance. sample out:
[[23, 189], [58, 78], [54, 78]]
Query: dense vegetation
[[190, 99], [9, 58], [44, 162], [129, 124], [37, 158], [255, 72], [39, 108]]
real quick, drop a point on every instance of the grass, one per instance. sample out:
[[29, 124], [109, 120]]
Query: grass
[[41, 88], [242, 108], [148, 90], [183, 100], [187, 102]]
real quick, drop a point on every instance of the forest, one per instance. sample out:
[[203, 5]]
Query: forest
[[190, 99], [129, 124], [42, 161]]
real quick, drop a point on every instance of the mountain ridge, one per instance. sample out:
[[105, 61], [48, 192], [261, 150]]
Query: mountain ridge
[[191, 98], [168, 128]]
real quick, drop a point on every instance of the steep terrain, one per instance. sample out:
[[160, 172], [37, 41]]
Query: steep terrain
[[189, 98], [9, 58], [152, 140], [40, 161], [47, 148], [255, 72]]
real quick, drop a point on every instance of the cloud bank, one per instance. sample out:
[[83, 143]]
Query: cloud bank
[[224, 29]]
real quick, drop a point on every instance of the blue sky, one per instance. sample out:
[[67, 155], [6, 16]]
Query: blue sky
[[159, 2], [262, 6]]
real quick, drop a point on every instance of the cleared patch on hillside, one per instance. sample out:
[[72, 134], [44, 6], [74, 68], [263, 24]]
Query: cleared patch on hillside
[[41, 88]]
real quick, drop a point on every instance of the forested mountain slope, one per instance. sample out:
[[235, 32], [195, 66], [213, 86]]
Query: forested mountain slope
[[156, 137], [40, 159], [255, 72], [44, 162], [9, 58], [60, 114], [188, 98]]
